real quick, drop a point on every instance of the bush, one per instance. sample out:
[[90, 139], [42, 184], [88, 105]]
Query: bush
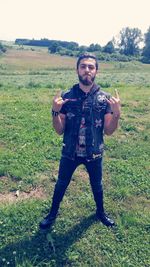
[[2, 48], [145, 60], [113, 57]]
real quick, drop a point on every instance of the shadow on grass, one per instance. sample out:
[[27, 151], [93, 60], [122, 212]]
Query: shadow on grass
[[44, 247]]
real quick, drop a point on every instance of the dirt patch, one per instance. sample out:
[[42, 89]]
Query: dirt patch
[[12, 197], [3, 177], [137, 202]]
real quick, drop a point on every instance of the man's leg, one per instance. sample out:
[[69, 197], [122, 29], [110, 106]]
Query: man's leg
[[94, 169], [66, 169]]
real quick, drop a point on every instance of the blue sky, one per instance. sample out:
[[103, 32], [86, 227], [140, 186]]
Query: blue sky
[[82, 21]]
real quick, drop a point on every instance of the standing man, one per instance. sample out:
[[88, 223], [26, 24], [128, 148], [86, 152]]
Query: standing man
[[83, 115]]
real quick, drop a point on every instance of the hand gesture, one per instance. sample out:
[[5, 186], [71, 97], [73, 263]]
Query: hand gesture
[[58, 102], [115, 104]]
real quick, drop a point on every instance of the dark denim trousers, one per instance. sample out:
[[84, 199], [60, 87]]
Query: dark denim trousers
[[66, 170]]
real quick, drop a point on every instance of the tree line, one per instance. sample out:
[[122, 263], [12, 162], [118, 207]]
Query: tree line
[[124, 48]]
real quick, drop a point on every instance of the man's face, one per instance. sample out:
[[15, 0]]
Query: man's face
[[87, 71]]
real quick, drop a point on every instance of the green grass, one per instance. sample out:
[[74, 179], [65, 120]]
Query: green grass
[[30, 152]]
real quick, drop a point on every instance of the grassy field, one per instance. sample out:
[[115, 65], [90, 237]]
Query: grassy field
[[30, 152]]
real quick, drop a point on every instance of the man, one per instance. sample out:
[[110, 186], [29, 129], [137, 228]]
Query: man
[[83, 114]]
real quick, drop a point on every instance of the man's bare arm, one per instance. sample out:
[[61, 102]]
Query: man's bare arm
[[58, 118], [111, 123], [59, 123], [112, 120]]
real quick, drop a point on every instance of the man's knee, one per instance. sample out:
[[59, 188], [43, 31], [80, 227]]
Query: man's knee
[[61, 184]]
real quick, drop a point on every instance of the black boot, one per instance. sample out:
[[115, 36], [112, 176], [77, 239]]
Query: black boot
[[59, 192], [105, 219], [51, 217], [47, 221], [98, 196]]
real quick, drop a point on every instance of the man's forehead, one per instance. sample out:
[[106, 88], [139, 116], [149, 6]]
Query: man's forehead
[[88, 61]]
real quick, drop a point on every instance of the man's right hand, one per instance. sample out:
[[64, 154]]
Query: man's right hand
[[58, 102]]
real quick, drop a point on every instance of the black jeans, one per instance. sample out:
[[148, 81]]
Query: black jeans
[[66, 170]]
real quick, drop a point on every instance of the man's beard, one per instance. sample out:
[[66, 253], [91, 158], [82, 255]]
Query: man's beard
[[86, 81]]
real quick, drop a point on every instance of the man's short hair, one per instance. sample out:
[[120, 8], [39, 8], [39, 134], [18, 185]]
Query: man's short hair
[[87, 55]]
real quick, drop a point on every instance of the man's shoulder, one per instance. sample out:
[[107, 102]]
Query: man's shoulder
[[70, 92], [103, 93], [98, 91]]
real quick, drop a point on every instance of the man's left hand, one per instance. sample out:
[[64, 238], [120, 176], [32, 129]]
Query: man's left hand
[[115, 104]]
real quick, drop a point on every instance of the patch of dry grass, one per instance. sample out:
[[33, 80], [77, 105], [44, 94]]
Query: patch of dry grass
[[14, 197], [28, 59]]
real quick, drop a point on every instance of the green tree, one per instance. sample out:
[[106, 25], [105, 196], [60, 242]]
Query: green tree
[[146, 49], [94, 47], [72, 46], [54, 47], [129, 41], [109, 48], [2, 48], [83, 48]]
